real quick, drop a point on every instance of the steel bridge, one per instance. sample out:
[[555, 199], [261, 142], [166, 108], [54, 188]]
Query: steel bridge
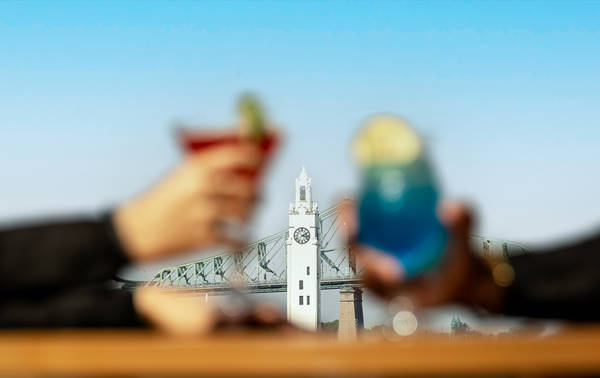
[[261, 265]]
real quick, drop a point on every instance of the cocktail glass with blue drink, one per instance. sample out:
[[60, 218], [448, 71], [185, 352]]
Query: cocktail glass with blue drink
[[399, 195]]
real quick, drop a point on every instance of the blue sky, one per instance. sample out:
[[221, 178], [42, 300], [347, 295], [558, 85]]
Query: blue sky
[[506, 93]]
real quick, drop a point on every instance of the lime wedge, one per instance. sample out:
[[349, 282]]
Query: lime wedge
[[386, 139], [252, 117]]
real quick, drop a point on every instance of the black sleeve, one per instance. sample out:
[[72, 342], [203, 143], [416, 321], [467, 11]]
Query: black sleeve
[[58, 254], [560, 283], [86, 306]]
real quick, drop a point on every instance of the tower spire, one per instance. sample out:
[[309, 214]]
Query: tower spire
[[303, 174], [303, 201]]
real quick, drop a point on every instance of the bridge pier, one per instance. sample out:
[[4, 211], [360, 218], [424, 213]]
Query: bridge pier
[[351, 313]]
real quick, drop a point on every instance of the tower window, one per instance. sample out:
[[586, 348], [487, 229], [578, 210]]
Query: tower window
[[301, 300], [303, 193], [307, 300], [301, 285], [308, 270]]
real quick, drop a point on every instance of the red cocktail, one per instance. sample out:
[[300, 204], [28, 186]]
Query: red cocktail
[[199, 140]]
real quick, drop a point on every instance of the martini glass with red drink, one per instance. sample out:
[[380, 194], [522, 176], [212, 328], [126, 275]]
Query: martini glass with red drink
[[252, 128], [193, 140]]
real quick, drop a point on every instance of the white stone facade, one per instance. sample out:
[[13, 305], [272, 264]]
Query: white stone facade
[[303, 250]]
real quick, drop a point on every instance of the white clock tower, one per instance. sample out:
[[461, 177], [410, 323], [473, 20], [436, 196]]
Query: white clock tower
[[303, 250]]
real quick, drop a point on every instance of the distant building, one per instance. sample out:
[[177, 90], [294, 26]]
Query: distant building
[[303, 250]]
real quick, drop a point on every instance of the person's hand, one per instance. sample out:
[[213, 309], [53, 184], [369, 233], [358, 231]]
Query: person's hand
[[172, 313], [191, 207], [461, 277], [181, 315]]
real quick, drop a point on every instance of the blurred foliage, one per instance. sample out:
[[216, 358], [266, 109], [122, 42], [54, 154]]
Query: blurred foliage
[[458, 326], [330, 326]]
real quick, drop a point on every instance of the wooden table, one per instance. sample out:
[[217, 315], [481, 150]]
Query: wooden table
[[133, 353]]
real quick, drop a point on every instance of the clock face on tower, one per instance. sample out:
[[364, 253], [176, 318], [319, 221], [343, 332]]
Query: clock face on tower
[[301, 235]]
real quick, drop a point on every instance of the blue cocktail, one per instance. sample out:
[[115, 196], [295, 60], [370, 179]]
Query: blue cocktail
[[399, 195]]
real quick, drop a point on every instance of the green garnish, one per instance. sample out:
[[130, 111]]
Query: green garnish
[[252, 116]]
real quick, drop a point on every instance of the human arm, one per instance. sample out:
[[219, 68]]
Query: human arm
[[51, 255], [91, 305], [185, 210], [560, 282]]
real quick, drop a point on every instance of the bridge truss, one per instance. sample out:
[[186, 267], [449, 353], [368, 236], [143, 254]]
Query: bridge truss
[[261, 265]]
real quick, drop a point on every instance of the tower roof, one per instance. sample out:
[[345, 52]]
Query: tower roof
[[303, 174], [303, 198]]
